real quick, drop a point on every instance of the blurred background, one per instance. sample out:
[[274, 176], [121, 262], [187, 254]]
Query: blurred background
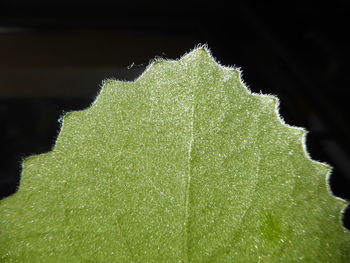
[[54, 56]]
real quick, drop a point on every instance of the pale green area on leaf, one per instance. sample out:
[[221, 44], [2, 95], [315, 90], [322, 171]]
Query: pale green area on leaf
[[182, 165]]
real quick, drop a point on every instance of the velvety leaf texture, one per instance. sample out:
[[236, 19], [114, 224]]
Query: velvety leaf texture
[[184, 164]]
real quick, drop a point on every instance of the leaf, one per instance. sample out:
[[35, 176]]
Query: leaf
[[182, 165]]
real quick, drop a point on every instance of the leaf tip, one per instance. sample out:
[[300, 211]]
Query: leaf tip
[[199, 53]]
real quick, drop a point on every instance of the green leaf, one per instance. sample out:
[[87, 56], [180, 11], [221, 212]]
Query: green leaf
[[182, 165]]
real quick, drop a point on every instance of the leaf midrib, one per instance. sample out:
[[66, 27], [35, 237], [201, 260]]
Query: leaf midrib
[[188, 186]]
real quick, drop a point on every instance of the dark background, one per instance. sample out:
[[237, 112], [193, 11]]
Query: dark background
[[55, 54]]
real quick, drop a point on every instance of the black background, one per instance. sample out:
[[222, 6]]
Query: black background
[[55, 54]]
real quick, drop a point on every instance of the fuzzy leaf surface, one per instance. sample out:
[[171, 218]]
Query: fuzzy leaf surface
[[184, 164]]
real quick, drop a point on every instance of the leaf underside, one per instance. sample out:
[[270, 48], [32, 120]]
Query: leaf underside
[[184, 164]]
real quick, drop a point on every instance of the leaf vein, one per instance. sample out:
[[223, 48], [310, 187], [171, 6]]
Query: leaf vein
[[188, 187]]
